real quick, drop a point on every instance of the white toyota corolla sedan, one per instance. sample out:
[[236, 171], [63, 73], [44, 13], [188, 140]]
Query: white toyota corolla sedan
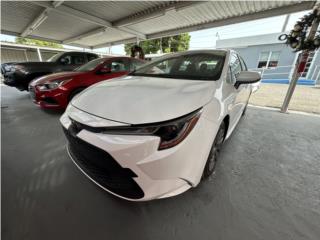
[[158, 131]]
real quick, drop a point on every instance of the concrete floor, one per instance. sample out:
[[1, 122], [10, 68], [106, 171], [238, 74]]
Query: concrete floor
[[266, 186]]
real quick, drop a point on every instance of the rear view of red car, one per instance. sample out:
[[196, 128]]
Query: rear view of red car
[[56, 90]]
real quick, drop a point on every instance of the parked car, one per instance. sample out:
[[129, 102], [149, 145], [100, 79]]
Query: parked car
[[56, 90], [158, 131], [19, 75]]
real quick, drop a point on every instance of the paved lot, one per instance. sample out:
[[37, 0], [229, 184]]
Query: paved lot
[[267, 185], [305, 98]]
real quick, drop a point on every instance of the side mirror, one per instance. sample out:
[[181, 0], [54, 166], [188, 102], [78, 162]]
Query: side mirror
[[247, 77], [104, 71]]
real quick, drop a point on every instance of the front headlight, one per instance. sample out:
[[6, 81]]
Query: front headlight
[[171, 132], [53, 84], [8, 68]]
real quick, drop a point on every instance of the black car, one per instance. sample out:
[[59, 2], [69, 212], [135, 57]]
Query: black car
[[19, 75]]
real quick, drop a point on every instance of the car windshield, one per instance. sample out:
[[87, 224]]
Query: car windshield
[[55, 57], [195, 66], [90, 65]]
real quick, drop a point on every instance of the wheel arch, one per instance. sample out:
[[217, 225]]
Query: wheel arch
[[74, 91], [226, 121]]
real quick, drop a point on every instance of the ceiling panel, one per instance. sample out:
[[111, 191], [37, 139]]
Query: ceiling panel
[[150, 19]]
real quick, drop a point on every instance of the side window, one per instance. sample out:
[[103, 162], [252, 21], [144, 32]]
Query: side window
[[91, 57], [163, 67], [235, 67], [134, 64], [78, 59], [72, 59], [65, 59], [117, 66], [187, 67]]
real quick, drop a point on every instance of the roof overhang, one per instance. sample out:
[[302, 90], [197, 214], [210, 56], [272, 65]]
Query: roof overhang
[[96, 24]]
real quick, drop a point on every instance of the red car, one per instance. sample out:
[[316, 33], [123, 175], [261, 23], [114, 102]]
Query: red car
[[56, 90]]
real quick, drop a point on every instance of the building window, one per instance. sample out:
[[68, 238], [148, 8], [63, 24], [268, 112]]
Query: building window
[[273, 59], [269, 59]]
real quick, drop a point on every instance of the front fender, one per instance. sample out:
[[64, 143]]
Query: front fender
[[215, 111]]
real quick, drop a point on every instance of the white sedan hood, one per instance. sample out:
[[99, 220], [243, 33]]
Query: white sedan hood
[[138, 100]]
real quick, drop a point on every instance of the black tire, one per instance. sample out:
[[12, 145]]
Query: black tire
[[74, 92], [214, 152], [245, 108]]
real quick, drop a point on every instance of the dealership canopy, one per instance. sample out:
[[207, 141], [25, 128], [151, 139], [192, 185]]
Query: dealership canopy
[[96, 24]]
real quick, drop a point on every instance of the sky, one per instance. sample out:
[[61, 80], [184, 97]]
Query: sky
[[207, 38]]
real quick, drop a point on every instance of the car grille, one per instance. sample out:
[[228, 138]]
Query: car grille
[[101, 166]]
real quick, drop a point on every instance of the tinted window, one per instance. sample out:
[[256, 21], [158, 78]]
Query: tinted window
[[91, 57], [73, 59], [117, 66], [197, 66], [55, 57]]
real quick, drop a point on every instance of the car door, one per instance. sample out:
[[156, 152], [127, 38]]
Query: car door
[[70, 61], [237, 96]]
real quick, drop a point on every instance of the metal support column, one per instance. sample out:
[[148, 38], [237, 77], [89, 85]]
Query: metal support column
[[285, 23], [26, 55], [296, 73], [39, 54]]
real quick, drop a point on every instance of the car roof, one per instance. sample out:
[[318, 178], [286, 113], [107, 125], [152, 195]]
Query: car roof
[[79, 52]]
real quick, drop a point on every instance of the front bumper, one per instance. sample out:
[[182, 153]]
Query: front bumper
[[54, 99], [132, 167], [15, 79]]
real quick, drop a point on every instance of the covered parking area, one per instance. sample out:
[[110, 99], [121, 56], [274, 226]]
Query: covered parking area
[[101, 24], [266, 185]]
